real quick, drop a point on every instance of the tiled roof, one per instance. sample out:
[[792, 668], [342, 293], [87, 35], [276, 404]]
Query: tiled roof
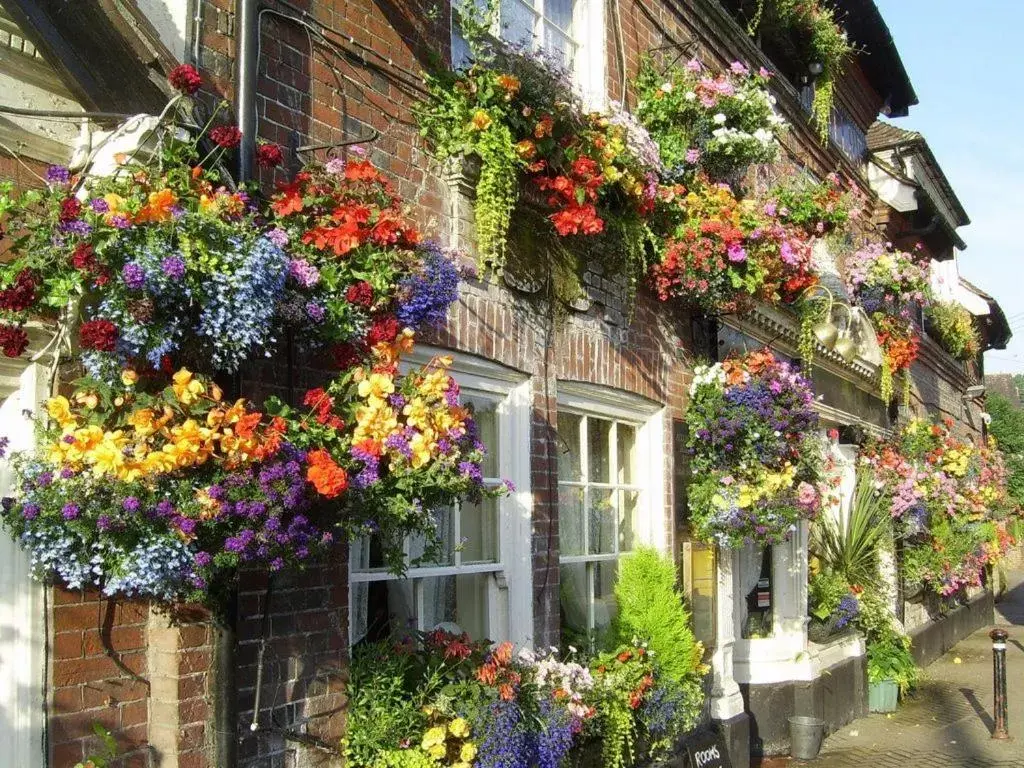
[[883, 136]]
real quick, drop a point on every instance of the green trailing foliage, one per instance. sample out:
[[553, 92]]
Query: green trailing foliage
[[953, 327]]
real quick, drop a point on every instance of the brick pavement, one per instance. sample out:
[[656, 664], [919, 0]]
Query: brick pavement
[[947, 722]]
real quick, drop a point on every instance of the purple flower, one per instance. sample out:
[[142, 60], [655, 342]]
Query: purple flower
[[68, 439], [103, 522], [44, 479], [278, 237], [4, 442], [119, 221], [692, 156], [203, 559], [131, 504], [30, 511], [736, 253], [70, 511], [471, 470], [509, 486], [173, 267], [58, 174], [75, 227], [133, 275], [165, 508], [303, 273], [315, 311], [99, 205]]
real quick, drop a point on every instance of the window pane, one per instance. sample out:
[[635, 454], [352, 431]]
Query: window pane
[[629, 519], [444, 521], [601, 522], [574, 599], [558, 46], [604, 594], [559, 12], [570, 521], [569, 466], [456, 603], [517, 23], [479, 524], [626, 439], [485, 412], [598, 450], [702, 592]]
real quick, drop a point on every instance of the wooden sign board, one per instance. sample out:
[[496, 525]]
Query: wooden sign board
[[708, 752]]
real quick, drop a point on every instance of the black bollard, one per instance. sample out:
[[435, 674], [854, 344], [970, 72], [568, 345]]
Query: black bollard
[[999, 682]]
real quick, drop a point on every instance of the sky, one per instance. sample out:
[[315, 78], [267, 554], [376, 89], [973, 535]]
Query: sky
[[966, 61]]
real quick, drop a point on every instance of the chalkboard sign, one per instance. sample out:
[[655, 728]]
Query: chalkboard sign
[[708, 752]]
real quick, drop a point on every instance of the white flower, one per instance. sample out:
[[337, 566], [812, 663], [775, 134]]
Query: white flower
[[719, 118], [666, 87], [690, 96]]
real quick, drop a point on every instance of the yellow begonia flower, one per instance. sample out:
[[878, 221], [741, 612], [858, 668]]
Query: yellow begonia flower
[[434, 736], [129, 377], [459, 727], [60, 411], [468, 752], [434, 384], [187, 388], [376, 388], [416, 413], [374, 423]]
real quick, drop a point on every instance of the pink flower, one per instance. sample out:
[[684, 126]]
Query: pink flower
[[738, 68], [692, 156], [693, 65], [806, 494], [736, 254]]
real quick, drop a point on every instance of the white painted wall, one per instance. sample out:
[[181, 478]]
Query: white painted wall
[[172, 21], [21, 604]]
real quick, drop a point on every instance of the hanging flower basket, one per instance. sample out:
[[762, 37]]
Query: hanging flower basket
[[755, 448]]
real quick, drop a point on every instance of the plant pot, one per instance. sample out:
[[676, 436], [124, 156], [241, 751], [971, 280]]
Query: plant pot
[[805, 734], [883, 696]]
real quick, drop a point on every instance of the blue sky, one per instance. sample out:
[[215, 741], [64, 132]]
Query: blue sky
[[966, 61]]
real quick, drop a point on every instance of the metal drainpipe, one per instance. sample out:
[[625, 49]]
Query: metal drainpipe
[[225, 707], [245, 91], [226, 634]]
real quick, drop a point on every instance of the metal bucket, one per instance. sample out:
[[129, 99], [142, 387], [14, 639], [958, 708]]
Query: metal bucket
[[805, 735]]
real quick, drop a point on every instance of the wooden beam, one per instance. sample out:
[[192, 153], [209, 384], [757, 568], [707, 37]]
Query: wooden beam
[[91, 53]]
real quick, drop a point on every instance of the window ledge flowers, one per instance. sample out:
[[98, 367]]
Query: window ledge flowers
[[755, 451]]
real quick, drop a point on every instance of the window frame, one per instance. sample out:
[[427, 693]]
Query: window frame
[[587, 33], [509, 593], [648, 419]]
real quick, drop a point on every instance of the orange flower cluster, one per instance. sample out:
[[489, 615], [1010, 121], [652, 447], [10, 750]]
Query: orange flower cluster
[[497, 672], [327, 477]]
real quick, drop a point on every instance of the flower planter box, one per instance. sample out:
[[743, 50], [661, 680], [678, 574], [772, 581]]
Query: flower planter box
[[883, 696]]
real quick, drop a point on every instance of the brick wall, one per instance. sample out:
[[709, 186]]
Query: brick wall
[[87, 685], [325, 87]]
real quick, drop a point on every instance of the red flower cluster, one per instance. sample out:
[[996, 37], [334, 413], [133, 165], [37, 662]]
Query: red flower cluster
[[268, 155], [70, 209], [13, 340], [575, 195], [328, 478], [185, 78], [21, 295], [226, 136], [322, 406], [451, 646], [360, 294], [385, 329], [98, 334]]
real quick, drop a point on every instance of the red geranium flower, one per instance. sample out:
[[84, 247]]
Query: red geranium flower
[[268, 155], [226, 136], [360, 294], [13, 340], [83, 258], [70, 209], [346, 355], [384, 329], [98, 334], [21, 295], [185, 78]]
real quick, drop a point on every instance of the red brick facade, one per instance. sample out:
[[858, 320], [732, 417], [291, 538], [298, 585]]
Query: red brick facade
[[353, 71]]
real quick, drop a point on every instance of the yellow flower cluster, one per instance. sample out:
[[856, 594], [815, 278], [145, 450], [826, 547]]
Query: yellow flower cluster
[[155, 440], [766, 486], [420, 421], [442, 742]]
